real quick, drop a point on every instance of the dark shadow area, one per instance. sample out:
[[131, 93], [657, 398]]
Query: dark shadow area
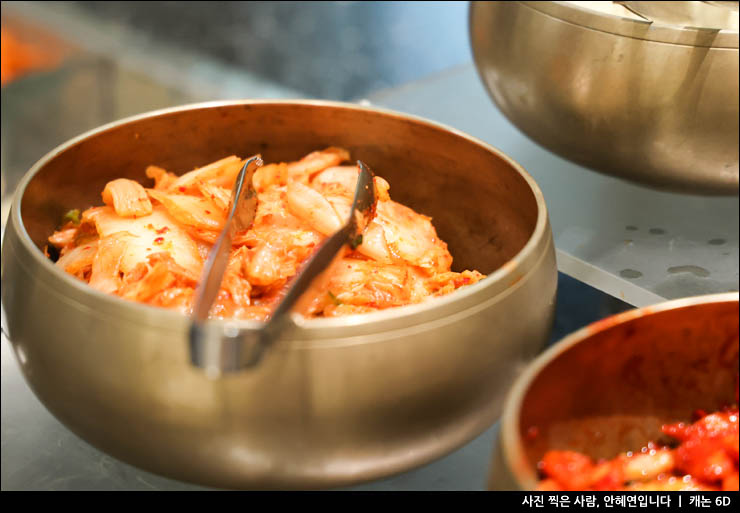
[[578, 305], [335, 50]]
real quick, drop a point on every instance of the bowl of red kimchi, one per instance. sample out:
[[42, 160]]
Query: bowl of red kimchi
[[646, 400], [404, 357]]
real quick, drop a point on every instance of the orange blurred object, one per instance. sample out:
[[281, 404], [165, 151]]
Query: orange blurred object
[[20, 58], [706, 459]]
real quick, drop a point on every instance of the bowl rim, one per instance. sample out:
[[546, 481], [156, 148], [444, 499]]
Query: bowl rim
[[410, 312], [510, 442], [652, 31]]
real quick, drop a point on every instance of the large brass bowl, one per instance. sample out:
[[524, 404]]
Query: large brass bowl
[[608, 387], [651, 103], [336, 401]]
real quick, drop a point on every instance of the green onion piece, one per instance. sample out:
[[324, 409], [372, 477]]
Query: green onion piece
[[334, 298], [73, 216]]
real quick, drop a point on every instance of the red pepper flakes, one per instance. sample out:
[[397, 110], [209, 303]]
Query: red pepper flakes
[[182, 188], [208, 211], [159, 240], [460, 281], [164, 229]]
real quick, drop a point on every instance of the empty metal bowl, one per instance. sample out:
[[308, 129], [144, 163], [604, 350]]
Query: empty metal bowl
[[335, 401], [648, 102], [609, 387]]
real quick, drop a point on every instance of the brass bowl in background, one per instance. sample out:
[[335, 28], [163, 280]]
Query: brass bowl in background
[[609, 387], [336, 401], [651, 103]]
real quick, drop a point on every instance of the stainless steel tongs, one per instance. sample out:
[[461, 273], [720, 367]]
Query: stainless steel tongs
[[220, 350]]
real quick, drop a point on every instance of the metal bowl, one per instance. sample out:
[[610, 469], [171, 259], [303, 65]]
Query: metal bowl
[[651, 103], [608, 388], [336, 401]]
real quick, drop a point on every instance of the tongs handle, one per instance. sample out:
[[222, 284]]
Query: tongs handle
[[233, 349], [240, 217], [241, 214]]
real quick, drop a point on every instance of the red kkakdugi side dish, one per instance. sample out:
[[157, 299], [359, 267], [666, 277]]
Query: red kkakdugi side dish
[[706, 458]]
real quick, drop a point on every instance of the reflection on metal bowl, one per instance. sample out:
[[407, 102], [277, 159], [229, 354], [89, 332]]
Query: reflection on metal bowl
[[651, 103], [609, 387], [336, 401]]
